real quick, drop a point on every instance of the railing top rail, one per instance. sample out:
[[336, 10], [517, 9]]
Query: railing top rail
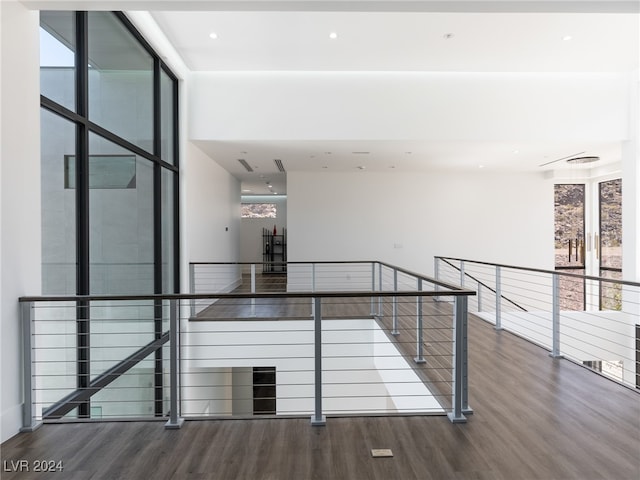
[[541, 270], [202, 296], [341, 262]]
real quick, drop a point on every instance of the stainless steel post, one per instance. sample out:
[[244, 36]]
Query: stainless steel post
[[29, 423], [460, 308], [318, 419], [419, 334], [394, 330], [498, 299], [192, 287], [253, 289], [555, 318], [174, 422]]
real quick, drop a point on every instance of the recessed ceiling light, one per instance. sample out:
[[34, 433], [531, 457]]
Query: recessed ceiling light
[[361, 167], [245, 190], [213, 35], [333, 35], [480, 166], [566, 38], [448, 36], [392, 166], [325, 167], [516, 151]]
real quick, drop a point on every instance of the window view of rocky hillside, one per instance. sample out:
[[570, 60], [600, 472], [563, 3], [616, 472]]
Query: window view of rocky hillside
[[570, 244], [258, 210]]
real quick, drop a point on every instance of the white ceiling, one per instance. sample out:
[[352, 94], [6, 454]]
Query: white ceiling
[[398, 41]]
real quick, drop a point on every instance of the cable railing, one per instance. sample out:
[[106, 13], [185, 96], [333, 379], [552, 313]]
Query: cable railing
[[388, 349], [592, 321]]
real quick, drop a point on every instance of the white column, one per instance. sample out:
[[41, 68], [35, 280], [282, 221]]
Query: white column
[[20, 224]]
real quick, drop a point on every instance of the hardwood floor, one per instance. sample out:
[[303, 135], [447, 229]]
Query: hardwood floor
[[535, 418]]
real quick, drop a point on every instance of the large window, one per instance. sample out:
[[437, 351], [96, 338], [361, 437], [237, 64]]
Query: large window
[[109, 158], [109, 188]]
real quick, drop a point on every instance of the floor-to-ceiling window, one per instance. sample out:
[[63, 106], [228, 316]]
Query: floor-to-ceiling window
[[109, 172]]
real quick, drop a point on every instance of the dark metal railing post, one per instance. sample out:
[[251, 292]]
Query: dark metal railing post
[[318, 419], [498, 299], [394, 330], [175, 421], [555, 318], [459, 360], [419, 334], [29, 423]]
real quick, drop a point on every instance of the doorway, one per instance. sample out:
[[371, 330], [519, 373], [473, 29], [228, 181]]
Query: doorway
[[588, 241]]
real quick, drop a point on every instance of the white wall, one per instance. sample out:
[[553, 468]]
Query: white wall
[[408, 218], [211, 209], [20, 201], [251, 228], [399, 105]]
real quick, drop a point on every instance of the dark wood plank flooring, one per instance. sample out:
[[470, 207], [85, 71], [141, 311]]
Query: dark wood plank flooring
[[535, 418]]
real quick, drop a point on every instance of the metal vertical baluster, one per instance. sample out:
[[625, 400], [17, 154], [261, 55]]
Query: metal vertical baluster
[[318, 419], [380, 288], [419, 342], [460, 309], [436, 272], [192, 287], [373, 288], [498, 299], [462, 273], [174, 421], [313, 288], [555, 320], [253, 289], [395, 331], [29, 423]]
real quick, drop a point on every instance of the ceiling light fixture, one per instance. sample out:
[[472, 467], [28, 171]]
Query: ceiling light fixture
[[333, 35], [448, 36], [213, 35], [361, 167], [566, 38]]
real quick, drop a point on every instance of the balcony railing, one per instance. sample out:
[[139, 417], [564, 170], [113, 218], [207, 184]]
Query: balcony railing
[[593, 321], [362, 338]]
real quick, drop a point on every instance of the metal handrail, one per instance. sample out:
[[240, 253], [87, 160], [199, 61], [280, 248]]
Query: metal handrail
[[204, 296], [483, 284], [541, 270]]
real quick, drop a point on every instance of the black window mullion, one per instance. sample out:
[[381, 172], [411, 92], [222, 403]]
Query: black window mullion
[[176, 187], [82, 211], [157, 234]]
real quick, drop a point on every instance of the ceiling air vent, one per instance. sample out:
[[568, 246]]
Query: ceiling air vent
[[581, 160], [279, 165], [244, 163]]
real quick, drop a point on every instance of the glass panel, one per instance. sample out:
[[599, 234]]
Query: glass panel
[[168, 246], [569, 243], [57, 57], [120, 81], [611, 224], [58, 139], [569, 225], [121, 226], [610, 293], [167, 117]]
